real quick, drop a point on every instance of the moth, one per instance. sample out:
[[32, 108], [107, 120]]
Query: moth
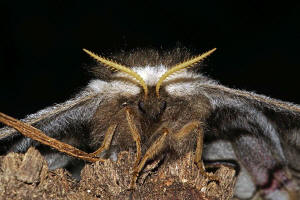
[[159, 104]]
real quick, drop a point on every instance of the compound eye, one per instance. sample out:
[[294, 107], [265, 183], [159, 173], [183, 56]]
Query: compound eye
[[141, 106], [163, 106]]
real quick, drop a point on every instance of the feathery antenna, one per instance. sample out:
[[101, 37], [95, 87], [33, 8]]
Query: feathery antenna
[[181, 66], [116, 66]]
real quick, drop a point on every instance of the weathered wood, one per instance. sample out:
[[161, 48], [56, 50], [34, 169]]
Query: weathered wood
[[27, 177]]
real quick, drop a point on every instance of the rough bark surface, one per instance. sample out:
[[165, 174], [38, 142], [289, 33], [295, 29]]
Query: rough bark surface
[[27, 177]]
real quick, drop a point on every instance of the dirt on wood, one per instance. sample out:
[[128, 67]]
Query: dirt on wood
[[26, 176]]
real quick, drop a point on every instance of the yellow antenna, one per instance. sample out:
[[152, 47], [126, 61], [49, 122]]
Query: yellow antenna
[[122, 68], [181, 66]]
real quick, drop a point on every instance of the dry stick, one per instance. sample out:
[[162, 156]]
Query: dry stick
[[35, 134]]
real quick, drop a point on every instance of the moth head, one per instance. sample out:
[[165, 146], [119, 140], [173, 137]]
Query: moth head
[[153, 103]]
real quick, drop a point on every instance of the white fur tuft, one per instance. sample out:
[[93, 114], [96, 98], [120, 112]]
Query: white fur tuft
[[113, 88], [189, 84]]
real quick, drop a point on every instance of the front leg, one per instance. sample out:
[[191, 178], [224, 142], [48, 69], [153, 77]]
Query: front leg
[[106, 142], [153, 150], [135, 135], [184, 132]]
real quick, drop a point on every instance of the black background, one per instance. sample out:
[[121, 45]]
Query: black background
[[42, 61]]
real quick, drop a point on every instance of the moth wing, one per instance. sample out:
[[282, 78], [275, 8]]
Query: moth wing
[[264, 133], [68, 121]]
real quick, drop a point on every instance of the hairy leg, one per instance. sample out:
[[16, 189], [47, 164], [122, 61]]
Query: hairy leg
[[106, 142], [135, 135], [184, 132], [155, 148]]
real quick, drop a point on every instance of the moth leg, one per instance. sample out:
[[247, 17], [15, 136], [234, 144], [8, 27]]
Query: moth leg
[[135, 135], [35, 134], [150, 153], [106, 142], [185, 131], [198, 157]]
